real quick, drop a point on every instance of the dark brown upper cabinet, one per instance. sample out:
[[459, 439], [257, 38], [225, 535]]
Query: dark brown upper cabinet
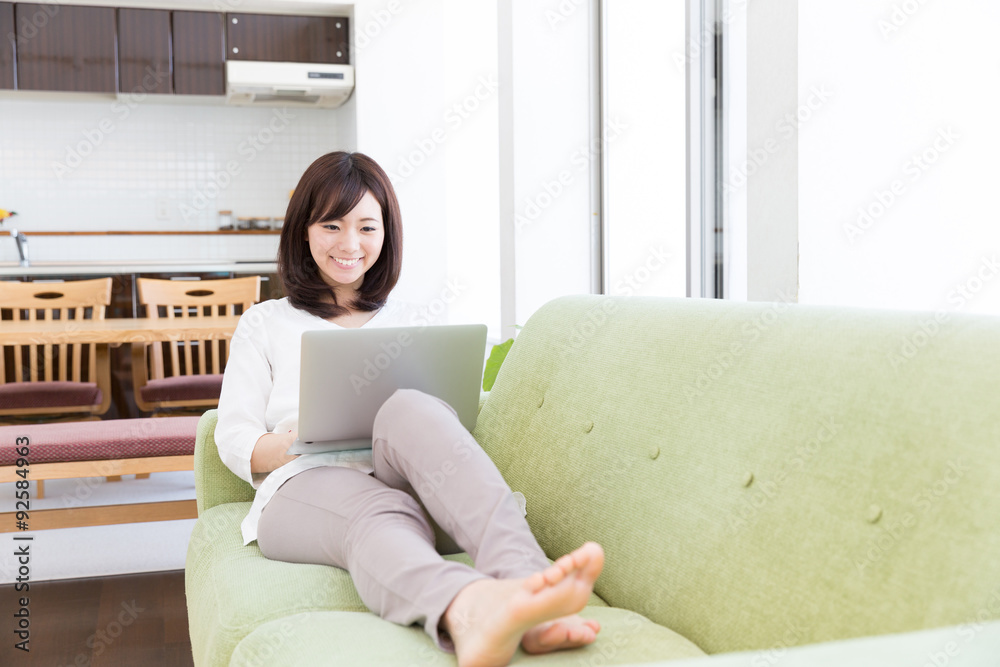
[[7, 45], [299, 39], [65, 47], [199, 53], [144, 51]]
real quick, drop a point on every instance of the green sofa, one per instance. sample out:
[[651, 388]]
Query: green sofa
[[761, 476]]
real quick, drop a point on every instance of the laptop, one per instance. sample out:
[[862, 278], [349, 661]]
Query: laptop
[[348, 374]]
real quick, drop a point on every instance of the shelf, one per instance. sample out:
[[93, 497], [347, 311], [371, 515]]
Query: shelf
[[231, 232]]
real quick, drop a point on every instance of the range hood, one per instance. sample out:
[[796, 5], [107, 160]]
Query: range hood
[[256, 83]]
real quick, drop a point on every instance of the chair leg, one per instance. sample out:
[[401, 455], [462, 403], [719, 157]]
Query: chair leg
[[142, 475], [114, 478], [41, 488]]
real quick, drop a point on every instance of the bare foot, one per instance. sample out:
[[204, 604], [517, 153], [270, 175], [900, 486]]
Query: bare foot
[[567, 632], [488, 618]]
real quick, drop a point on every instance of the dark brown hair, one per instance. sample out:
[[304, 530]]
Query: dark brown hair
[[328, 190]]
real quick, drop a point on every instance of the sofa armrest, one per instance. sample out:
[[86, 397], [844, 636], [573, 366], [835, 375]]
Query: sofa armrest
[[214, 483]]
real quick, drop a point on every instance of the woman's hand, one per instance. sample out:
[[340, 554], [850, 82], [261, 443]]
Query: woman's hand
[[271, 451]]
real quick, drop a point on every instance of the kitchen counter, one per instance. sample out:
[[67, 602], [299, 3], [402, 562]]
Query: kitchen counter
[[109, 267]]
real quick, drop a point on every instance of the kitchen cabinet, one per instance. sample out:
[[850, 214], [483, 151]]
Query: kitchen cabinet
[[303, 39], [144, 51], [66, 47], [199, 53], [6, 45]]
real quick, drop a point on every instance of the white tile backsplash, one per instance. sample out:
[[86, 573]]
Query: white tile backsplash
[[71, 165]]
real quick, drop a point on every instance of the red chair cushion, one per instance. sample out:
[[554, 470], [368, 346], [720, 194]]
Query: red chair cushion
[[183, 388], [23, 395], [100, 440]]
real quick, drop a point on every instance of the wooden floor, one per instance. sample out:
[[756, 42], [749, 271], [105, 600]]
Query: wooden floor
[[135, 619]]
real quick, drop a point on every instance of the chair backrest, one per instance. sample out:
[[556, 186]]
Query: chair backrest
[[172, 299], [51, 301]]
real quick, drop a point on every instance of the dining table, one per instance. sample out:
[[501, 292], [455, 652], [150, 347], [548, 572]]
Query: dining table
[[105, 334], [116, 331]]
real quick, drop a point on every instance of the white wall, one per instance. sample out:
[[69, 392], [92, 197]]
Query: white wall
[[897, 171], [426, 99]]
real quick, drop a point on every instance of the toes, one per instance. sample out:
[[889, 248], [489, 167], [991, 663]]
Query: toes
[[536, 582], [556, 572]]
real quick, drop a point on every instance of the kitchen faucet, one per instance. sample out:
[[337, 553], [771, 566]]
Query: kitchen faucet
[[22, 246]]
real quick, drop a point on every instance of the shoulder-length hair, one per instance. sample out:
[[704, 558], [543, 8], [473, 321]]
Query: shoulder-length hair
[[329, 189]]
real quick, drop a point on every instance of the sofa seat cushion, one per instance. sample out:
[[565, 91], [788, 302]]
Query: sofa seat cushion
[[101, 440], [27, 395], [183, 388], [327, 639], [232, 588], [972, 644]]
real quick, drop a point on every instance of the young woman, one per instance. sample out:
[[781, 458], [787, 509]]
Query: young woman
[[339, 258]]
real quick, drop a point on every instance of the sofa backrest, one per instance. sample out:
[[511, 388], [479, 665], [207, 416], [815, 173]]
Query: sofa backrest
[[214, 483], [761, 475]]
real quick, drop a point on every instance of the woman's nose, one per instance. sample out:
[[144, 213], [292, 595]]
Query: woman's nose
[[350, 240]]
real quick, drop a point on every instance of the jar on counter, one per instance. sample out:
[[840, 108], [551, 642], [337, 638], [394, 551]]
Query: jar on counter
[[225, 220]]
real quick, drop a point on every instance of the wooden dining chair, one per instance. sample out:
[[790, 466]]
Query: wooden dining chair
[[61, 381], [181, 377]]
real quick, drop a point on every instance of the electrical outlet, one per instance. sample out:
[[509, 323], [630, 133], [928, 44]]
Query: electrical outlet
[[162, 208]]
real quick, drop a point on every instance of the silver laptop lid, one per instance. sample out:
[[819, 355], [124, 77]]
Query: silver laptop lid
[[348, 374]]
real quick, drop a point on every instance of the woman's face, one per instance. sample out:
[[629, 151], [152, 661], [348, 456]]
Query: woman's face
[[345, 249]]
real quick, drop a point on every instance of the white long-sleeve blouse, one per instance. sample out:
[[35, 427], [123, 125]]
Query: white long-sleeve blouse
[[260, 393]]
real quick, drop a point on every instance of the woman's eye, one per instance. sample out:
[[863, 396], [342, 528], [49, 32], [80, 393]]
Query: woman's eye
[[331, 227], [370, 229]]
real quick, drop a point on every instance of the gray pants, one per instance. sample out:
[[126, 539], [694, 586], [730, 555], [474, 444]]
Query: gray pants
[[375, 526]]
